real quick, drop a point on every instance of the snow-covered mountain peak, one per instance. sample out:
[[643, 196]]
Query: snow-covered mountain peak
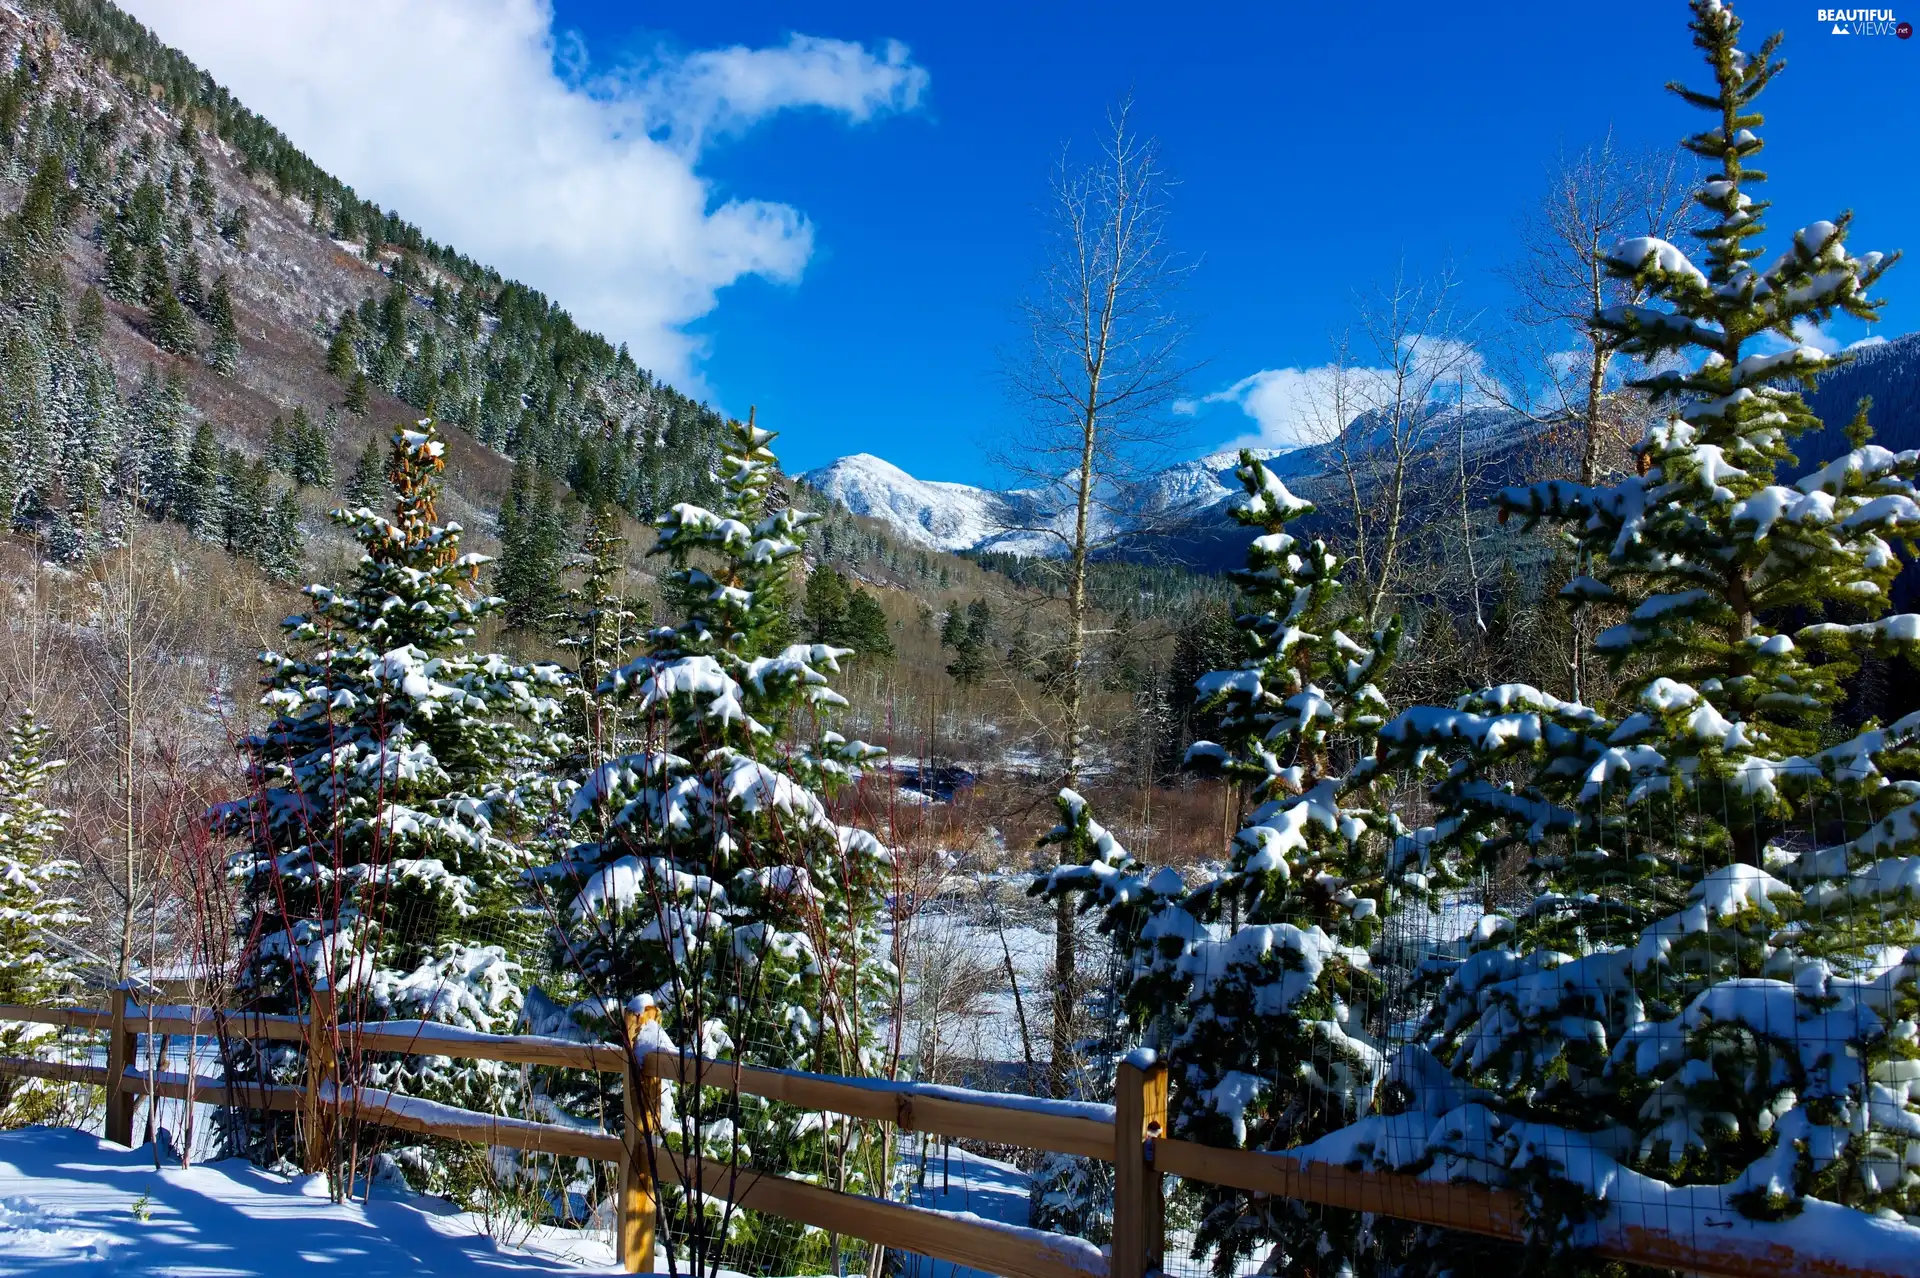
[[927, 512]]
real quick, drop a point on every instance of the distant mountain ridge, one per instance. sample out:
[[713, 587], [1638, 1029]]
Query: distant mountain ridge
[[1182, 506], [960, 517], [1167, 507]]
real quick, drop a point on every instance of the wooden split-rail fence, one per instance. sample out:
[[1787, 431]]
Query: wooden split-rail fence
[[1129, 1134]]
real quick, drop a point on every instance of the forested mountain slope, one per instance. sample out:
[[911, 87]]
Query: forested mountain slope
[[1888, 373], [156, 186]]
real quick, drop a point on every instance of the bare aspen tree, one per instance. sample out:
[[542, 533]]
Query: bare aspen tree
[[142, 687], [1467, 471], [1380, 411], [1561, 283], [1103, 361], [1594, 199]]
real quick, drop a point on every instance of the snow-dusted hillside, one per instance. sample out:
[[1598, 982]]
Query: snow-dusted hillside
[[926, 512]]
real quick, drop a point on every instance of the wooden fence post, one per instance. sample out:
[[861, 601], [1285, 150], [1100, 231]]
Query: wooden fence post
[[321, 1072], [1139, 1211], [633, 1229], [121, 1037]]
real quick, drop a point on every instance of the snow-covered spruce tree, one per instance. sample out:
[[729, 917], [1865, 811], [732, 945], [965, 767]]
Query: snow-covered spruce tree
[[1255, 986], [390, 792], [712, 879], [1716, 984], [31, 879]]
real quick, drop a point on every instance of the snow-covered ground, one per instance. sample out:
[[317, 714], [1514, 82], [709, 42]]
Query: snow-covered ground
[[951, 1179], [69, 1201], [961, 941]]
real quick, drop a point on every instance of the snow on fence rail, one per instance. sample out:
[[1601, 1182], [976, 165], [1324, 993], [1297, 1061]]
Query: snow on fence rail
[[1664, 1234]]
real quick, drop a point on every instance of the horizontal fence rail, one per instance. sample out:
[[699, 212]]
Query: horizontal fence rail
[[1130, 1135]]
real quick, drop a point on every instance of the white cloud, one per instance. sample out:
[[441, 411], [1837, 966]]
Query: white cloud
[[1295, 406], [1807, 333], [452, 113], [722, 91], [1289, 406], [1811, 334]]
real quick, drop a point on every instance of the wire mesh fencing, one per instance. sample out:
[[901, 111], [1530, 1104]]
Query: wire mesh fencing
[[1699, 1005]]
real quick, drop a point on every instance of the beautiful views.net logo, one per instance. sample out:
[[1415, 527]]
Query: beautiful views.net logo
[[1865, 22]]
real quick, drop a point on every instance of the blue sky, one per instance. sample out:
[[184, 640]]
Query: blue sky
[[861, 296], [1314, 149]]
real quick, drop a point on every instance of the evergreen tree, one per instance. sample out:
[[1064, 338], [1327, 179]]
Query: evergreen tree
[[971, 635], [772, 965], [235, 225], [1255, 983], [532, 546], [367, 486], [146, 213], [953, 627], [969, 665], [281, 541], [599, 625], [90, 318], [45, 210], [825, 606], [845, 616], [244, 493], [342, 360], [359, 395], [311, 456], [279, 452], [329, 430], [1713, 984], [196, 497], [191, 289], [31, 876], [155, 282], [122, 275], [225, 355], [169, 325], [200, 193], [980, 623], [160, 410], [392, 356], [867, 630], [381, 844]]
